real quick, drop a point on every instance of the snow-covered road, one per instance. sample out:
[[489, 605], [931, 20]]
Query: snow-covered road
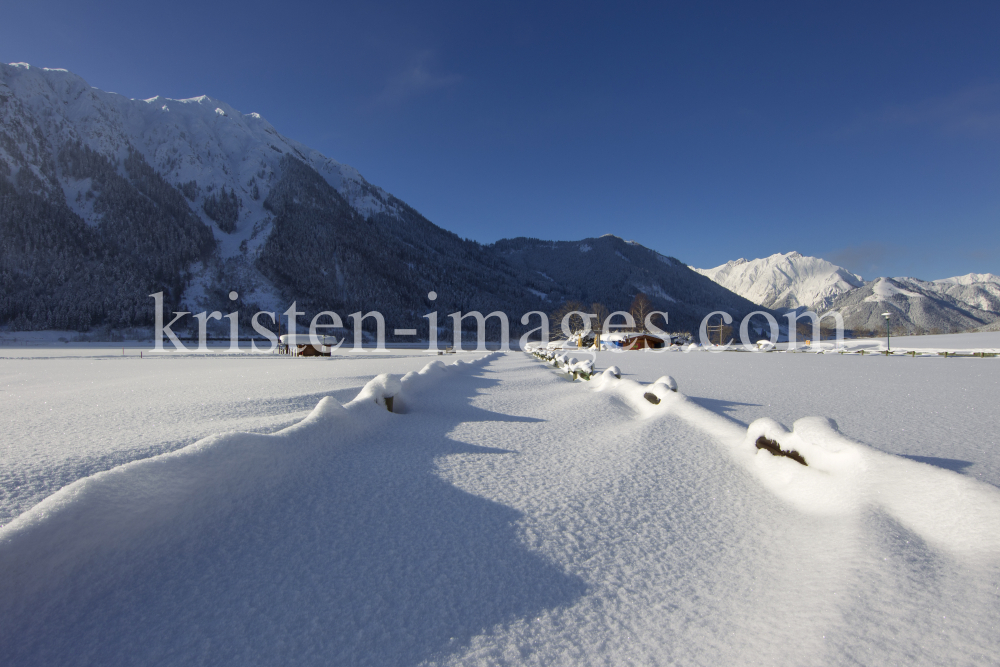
[[507, 516]]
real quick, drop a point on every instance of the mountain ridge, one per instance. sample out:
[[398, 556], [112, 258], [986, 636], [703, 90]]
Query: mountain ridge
[[794, 281], [105, 200], [788, 280]]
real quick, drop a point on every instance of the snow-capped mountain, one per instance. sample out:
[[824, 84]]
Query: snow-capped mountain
[[198, 140], [105, 200], [916, 306], [223, 161], [786, 280], [980, 290], [794, 281]]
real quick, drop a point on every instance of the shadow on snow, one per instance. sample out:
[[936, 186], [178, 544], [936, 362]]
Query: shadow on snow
[[361, 556]]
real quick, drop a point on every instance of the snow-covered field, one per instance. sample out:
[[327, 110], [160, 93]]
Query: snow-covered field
[[984, 340], [502, 515], [69, 412]]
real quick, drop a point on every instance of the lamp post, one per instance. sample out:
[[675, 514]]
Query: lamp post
[[887, 348]]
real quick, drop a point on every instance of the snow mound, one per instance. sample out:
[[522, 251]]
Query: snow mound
[[950, 511], [155, 501], [667, 381], [379, 389]]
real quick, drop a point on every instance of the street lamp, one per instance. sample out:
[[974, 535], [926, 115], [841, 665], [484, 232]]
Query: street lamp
[[886, 316]]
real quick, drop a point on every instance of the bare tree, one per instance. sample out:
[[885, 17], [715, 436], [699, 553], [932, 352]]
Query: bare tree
[[803, 330], [576, 323], [641, 307], [600, 312]]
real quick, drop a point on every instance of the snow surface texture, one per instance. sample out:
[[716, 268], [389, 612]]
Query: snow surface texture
[[784, 281], [935, 410], [962, 343], [70, 413], [508, 516]]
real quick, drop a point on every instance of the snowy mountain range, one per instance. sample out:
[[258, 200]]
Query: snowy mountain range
[[105, 200], [790, 281], [785, 281]]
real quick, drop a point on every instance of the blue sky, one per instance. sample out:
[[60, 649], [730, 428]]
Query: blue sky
[[865, 133]]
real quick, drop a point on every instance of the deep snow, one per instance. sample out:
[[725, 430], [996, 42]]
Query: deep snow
[[942, 411], [69, 412], [507, 516]]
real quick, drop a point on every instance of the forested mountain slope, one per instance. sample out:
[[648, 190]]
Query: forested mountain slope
[[105, 200]]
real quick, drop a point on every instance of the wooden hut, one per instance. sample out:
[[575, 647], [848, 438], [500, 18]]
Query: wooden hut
[[641, 341], [291, 345], [310, 350]]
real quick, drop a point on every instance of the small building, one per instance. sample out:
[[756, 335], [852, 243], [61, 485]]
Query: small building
[[641, 341], [301, 346], [310, 350]]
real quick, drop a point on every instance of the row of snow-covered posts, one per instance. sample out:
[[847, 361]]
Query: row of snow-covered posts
[[580, 370], [926, 353], [585, 371]]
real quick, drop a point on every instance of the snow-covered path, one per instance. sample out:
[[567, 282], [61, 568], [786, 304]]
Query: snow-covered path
[[506, 516]]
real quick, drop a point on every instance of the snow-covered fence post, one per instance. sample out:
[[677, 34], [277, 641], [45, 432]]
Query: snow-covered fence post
[[659, 389]]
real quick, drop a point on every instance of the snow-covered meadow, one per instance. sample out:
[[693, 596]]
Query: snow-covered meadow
[[218, 509]]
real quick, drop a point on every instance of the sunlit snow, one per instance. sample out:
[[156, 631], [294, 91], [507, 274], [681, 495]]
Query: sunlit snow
[[243, 510]]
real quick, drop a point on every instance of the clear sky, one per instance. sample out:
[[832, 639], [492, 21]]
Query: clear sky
[[867, 133]]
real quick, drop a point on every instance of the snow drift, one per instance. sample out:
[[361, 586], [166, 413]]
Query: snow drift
[[956, 514], [119, 546]]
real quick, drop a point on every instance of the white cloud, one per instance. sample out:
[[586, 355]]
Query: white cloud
[[418, 78]]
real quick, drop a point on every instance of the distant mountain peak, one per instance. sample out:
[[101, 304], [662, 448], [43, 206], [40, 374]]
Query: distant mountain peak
[[971, 279], [792, 280], [788, 280]]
